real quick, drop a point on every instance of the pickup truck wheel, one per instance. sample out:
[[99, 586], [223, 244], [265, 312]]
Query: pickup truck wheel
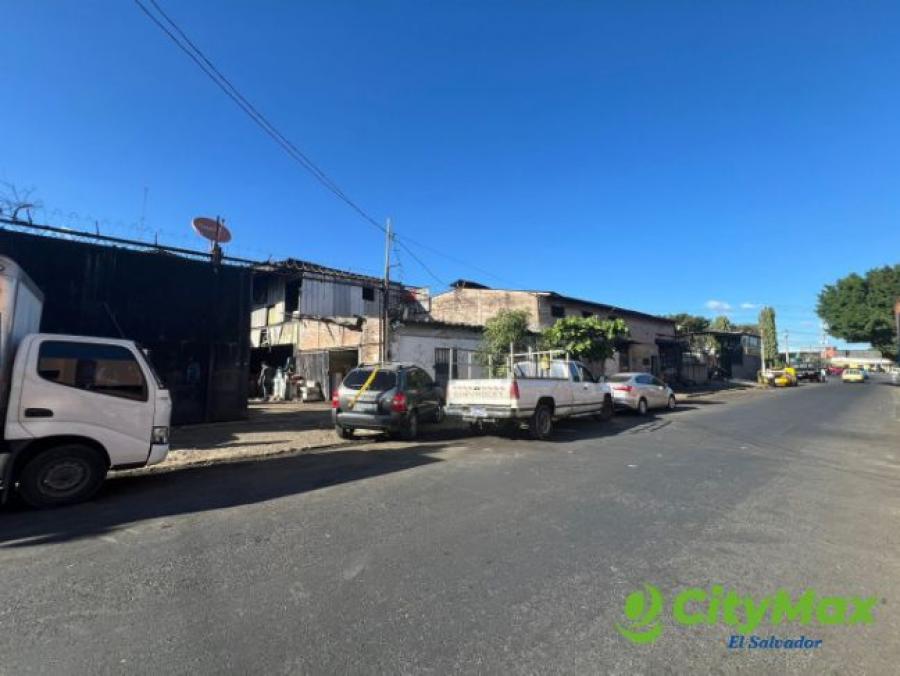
[[62, 475], [540, 426], [411, 429], [343, 432], [606, 413], [642, 407]]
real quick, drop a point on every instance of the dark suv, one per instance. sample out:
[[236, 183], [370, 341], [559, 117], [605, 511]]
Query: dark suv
[[395, 399]]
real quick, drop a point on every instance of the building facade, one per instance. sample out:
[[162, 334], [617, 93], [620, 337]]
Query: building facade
[[324, 321], [651, 345]]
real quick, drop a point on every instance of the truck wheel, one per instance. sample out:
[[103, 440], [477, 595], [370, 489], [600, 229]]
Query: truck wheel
[[411, 430], [62, 475], [344, 432], [606, 413], [540, 426], [642, 407]]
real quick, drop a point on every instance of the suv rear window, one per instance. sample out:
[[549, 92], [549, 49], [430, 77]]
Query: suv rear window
[[384, 380]]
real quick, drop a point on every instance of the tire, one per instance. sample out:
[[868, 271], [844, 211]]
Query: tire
[[671, 403], [642, 407], [438, 414], [343, 432], [411, 429], [62, 475], [606, 413], [540, 425]]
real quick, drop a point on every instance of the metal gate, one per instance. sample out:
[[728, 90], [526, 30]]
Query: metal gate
[[314, 366]]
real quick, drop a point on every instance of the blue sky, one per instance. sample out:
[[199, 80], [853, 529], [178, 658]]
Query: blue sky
[[661, 156]]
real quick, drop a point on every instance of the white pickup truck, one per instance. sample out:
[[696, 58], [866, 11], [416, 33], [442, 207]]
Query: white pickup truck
[[531, 389]]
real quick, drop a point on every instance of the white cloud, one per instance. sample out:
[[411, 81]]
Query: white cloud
[[749, 306], [718, 306]]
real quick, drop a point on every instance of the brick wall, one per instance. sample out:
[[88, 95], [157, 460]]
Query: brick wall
[[476, 306]]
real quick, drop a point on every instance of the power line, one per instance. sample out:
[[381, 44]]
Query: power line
[[183, 42], [199, 58]]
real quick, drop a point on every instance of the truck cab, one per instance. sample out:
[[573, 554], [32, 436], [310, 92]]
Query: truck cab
[[80, 406]]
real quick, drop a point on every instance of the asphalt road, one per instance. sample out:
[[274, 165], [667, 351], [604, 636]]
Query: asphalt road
[[477, 554]]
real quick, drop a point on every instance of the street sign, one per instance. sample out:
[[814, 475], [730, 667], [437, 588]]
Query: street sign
[[212, 229]]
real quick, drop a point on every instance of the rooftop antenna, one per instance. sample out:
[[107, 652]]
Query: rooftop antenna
[[144, 209]]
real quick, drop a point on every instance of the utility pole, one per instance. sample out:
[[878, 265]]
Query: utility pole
[[385, 351]]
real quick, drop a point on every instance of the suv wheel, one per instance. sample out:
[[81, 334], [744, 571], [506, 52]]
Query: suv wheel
[[411, 430], [344, 432], [62, 476]]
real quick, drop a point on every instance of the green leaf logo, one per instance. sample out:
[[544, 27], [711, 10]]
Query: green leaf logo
[[642, 608]]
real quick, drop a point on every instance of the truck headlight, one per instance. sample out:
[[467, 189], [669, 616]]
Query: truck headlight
[[160, 435]]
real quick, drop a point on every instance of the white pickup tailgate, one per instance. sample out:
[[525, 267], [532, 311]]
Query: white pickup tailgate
[[480, 392]]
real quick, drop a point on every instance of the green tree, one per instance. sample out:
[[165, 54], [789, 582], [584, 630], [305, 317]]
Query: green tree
[[507, 327], [861, 309], [585, 338], [769, 334], [747, 328], [687, 323], [721, 323]]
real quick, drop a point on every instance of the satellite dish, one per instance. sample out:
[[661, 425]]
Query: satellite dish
[[212, 229]]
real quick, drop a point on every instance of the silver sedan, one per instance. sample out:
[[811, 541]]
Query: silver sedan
[[640, 392]]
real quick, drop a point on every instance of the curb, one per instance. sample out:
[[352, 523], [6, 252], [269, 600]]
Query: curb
[[166, 467]]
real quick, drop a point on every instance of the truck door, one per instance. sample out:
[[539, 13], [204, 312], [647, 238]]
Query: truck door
[[585, 390], [92, 389]]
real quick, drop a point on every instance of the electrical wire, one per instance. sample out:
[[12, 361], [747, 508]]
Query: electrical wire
[[200, 59], [183, 42]]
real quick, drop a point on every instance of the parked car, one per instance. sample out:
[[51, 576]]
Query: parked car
[[809, 372], [393, 398], [853, 376], [641, 392], [530, 389]]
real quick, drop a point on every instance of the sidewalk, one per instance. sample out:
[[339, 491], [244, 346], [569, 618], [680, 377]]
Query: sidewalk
[[272, 428], [718, 387]]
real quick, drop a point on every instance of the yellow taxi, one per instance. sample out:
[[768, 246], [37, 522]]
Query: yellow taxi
[[853, 376], [786, 378]]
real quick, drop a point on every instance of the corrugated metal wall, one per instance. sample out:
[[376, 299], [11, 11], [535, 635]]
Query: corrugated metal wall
[[193, 317]]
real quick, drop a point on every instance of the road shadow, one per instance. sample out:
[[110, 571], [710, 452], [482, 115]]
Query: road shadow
[[133, 498], [565, 430]]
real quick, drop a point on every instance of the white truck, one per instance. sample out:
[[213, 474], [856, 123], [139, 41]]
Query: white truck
[[72, 407], [530, 389]]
